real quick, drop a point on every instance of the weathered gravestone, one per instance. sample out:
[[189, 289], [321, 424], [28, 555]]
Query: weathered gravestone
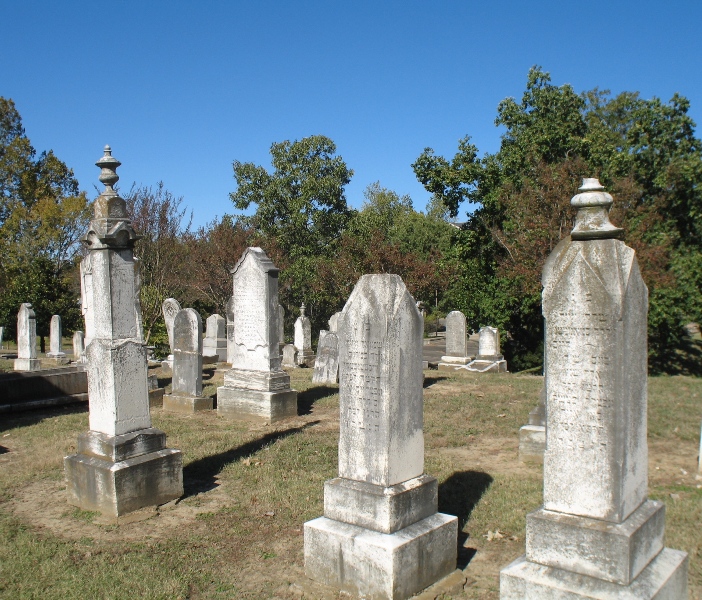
[[79, 347], [532, 436], [597, 535], [334, 322], [186, 395], [230, 329], [303, 339], [26, 340], [281, 328], [381, 535], [122, 463], [326, 365], [56, 352], [215, 342], [456, 342], [289, 356], [256, 387], [489, 359], [170, 308]]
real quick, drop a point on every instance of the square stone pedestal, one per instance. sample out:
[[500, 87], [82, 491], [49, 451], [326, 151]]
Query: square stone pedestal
[[665, 578], [240, 403], [119, 474], [379, 565], [451, 363], [27, 364], [532, 443], [305, 358], [60, 358], [480, 365], [186, 404]]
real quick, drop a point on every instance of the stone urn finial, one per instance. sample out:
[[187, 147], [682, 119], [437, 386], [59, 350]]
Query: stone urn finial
[[302, 309], [592, 219], [109, 165]]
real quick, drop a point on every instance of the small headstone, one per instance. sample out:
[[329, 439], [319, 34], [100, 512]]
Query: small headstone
[[532, 436], [215, 342], [170, 308], [456, 342], [281, 327], [56, 352], [334, 322], [290, 356], [26, 340], [326, 365], [597, 535], [381, 535], [256, 387], [122, 463], [303, 339], [230, 329], [79, 347], [489, 359], [186, 395]]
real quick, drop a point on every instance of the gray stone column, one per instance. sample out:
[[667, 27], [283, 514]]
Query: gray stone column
[[56, 341], [122, 463], [381, 535], [26, 340], [597, 535], [256, 387]]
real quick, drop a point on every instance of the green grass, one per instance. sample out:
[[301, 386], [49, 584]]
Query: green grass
[[249, 488]]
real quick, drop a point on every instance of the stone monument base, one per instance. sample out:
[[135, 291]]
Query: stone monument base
[[451, 363], [241, 403], [60, 358], [27, 364], [532, 443], [486, 366], [665, 578], [379, 565], [156, 397], [119, 474], [305, 358], [186, 404]]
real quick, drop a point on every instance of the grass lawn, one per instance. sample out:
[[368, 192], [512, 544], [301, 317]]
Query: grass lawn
[[237, 532]]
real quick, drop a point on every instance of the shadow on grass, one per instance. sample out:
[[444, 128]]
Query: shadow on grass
[[684, 360], [199, 475], [432, 379], [306, 399], [458, 496], [34, 416], [3, 450]]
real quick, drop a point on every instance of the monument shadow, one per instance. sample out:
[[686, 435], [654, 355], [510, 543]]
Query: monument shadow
[[458, 496], [306, 399], [199, 475]]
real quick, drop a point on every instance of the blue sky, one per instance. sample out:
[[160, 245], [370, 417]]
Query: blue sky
[[181, 89]]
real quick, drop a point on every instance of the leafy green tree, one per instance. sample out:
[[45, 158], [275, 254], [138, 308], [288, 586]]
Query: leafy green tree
[[644, 151], [42, 216]]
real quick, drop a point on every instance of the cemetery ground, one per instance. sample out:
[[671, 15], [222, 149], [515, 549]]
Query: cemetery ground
[[237, 532]]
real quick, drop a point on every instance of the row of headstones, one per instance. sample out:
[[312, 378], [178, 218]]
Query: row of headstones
[[488, 359], [27, 341], [597, 535]]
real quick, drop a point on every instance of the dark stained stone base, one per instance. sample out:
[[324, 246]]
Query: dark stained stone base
[[238, 403], [186, 404], [116, 475]]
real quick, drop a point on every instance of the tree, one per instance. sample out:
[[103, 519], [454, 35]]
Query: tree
[[42, 216], [157, 216], [644, 151]]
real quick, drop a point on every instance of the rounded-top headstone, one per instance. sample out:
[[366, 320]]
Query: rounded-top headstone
[[170, 307], [187, 331]]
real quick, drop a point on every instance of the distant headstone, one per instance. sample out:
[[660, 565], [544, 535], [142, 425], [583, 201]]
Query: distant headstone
[[489, 359], [186, 395], [86, 297], [215, 342], [532, 436], [79, 347], [56, 352], [230, 329], [326, 365], [26, 340], [597, 535], [289, 356], [121, 464], [456, 342], [281, 327], [256, 386], [381, 535], [303, 339], [334, 322], [170, 308]]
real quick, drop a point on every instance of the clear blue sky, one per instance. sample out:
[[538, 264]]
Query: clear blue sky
[[181, 89]]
